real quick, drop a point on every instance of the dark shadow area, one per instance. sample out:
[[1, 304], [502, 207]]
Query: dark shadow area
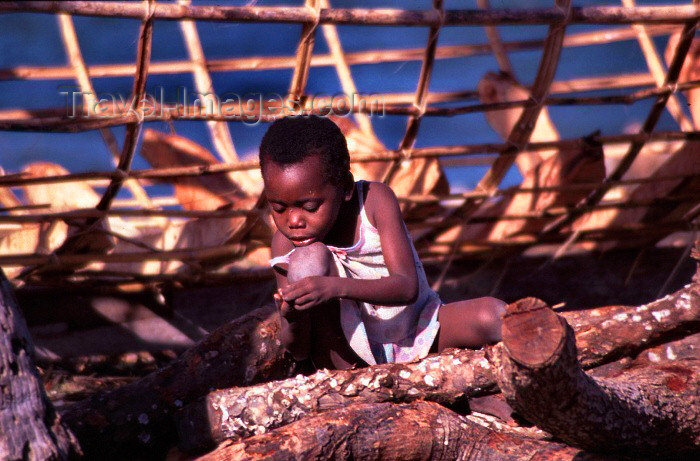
[[617, 277]]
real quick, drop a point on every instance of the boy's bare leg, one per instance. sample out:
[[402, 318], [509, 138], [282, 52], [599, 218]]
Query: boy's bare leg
[[470, 324], [328, 346]]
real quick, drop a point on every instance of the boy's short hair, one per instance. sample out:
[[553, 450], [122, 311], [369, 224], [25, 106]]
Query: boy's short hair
[[290, 140]]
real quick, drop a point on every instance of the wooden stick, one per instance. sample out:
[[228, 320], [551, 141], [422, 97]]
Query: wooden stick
[[218, 130], [608, 35], [93, 213], [75, 57], [520, 135], [663, 202], [497, 48], [83, 277], [297, 87], [656, 69], [222, 214], [219, 252], [133, 129], [676, 14], [427, 152], [342, 68], [420, 99], [628, 233], [57, 120], [58, 116]]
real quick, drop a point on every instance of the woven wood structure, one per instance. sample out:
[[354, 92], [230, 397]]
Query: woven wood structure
[[591, 192]]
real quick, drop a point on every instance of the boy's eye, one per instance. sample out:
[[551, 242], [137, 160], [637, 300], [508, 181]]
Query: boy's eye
[[277, 208], [311, 207]]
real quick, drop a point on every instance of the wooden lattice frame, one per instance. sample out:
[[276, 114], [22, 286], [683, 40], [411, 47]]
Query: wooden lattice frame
[[644, 22]]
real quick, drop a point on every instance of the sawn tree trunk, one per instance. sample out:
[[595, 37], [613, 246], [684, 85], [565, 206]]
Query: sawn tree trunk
[[650, 411], [29, 426]]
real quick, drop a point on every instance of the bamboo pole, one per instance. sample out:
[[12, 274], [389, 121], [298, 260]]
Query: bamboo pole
[[305, 49], [143, 58], [520, 135], [218, 130], [420, 99], [93, 213], [662, 202], [426, 152], [594, 197], [342, 68], [231, 251], [676, 14], [495, 43], [56, 120], [603, 36], [656, 69], [77, 63]]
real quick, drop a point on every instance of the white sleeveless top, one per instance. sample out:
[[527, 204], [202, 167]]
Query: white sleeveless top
[[382, 334]]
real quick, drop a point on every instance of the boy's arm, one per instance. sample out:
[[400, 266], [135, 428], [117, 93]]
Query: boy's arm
[[295, 327], [400, 287]]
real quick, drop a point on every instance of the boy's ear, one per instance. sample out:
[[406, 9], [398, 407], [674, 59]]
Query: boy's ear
[[349, 186]]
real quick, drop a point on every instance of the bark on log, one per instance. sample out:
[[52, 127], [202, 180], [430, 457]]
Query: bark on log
[[651, 411], [604, 334], [29, 426], [136, 421], [670, 353], [447, 378], [379, 432]]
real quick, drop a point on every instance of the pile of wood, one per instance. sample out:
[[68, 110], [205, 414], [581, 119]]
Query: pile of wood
[[603, 383]]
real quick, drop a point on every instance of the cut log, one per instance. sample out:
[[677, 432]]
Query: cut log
[[605, 334], [652, 411], [216, 364], [29, 426], [448, 378], [381, 432], [136, 421]]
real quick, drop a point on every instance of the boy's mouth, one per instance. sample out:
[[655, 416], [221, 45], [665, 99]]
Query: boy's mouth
[[302, 242]]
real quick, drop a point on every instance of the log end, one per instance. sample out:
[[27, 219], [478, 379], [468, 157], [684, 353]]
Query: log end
[[532, 333]]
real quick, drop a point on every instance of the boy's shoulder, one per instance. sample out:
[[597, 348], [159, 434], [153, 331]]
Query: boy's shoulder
[[379, 198], [378, 190]]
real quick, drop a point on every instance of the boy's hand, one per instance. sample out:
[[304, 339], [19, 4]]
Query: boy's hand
[[310, 292], [285, 308]]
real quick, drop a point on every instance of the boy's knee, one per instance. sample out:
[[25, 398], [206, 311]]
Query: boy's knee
[[308, 261], [491, 318]]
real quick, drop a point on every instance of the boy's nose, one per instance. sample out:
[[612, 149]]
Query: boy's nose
[[296, 220]]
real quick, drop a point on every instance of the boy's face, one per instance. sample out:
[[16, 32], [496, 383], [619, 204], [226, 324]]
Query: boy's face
[[304, 205]]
